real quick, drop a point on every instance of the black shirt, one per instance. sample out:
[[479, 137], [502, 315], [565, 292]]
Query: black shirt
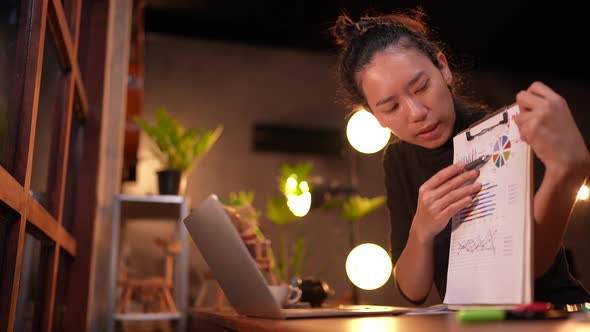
[[408, 166]]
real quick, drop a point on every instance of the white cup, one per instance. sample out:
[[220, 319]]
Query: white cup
[[285, 295]]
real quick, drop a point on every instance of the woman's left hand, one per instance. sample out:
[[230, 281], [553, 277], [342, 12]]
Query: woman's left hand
[[545, 122]]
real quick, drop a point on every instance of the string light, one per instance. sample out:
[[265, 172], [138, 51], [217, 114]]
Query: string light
[[298, 196], [299, 205]]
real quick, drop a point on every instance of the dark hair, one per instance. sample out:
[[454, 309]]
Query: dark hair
[[361, 40]]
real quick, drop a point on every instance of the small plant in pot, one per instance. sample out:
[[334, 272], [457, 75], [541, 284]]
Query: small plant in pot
[[178, 148]]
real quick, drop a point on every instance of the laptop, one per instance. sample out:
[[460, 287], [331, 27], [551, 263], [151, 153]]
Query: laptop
[[238, 275]]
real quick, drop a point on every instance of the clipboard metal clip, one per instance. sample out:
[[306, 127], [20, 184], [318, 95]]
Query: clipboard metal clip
[[504, 120]]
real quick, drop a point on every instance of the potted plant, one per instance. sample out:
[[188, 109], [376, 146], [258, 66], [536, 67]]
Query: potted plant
[[179, 149]]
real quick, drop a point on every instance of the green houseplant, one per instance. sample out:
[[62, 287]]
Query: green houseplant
[[178, 148]]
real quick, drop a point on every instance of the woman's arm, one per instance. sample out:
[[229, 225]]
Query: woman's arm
[[414, 270], [439, 199], [546, 123]]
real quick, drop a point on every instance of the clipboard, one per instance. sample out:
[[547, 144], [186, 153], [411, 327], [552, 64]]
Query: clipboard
[[504, 120], [491, 246]]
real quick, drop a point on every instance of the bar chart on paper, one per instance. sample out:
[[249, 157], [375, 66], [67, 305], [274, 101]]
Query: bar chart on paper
[[483, 205]]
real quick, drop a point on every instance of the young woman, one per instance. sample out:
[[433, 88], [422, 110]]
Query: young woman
[[390, 66]]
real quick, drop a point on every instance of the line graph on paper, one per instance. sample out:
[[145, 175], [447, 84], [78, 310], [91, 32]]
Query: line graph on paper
[[476, 251], [478, 243], [483, 205]]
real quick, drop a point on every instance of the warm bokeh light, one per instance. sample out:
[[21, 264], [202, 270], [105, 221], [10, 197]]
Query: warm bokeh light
[[583, 193], [298, 196], [299, 205], [291, 184], [365, 134], [304, 186], [368, 266]]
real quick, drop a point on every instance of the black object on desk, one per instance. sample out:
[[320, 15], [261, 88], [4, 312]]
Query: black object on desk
[[314, 291]]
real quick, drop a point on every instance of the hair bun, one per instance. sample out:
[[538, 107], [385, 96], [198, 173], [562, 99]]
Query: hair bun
[[345, 30]]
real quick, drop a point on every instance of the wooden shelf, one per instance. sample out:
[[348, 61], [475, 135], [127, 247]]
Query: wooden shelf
[[162, 199], [156, 207]]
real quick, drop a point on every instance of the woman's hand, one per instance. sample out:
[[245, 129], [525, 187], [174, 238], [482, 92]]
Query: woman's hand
[[441, 197], [545, 122]]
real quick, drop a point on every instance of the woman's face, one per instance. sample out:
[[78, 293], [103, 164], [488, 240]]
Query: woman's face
[[409, 95]]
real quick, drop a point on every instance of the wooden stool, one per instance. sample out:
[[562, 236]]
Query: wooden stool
[[152, 290]]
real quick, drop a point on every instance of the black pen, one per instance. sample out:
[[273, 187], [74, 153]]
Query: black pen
[[477, 163]]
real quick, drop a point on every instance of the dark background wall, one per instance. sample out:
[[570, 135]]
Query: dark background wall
[[539, 37]]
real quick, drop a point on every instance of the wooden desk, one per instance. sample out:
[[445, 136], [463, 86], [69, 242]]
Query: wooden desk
[[203, 320]]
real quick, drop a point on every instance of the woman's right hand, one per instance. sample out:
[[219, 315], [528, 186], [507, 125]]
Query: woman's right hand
[[441, 197]]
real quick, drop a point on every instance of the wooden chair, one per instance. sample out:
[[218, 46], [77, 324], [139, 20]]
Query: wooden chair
[[152, 292]]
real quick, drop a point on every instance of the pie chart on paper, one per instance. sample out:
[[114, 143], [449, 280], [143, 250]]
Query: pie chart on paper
[[501, 151]]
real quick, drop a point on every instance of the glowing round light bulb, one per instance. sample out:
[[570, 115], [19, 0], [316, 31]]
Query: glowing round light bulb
[[365, 134], [583, 193], [291, 184], [368, 266], [304, 186], [299, 205]]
